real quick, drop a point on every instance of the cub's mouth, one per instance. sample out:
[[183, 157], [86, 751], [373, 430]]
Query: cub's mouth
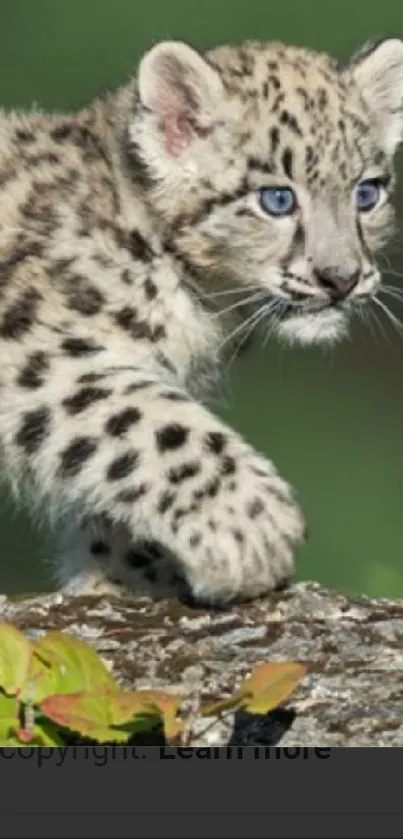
[[313, 321], [300, 305]]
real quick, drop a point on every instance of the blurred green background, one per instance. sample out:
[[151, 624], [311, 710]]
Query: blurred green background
[[332, 422]]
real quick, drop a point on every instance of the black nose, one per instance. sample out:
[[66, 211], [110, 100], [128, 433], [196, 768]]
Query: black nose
[[337, 284]]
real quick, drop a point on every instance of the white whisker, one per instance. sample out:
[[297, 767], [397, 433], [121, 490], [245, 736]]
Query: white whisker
[[278, 307], [374, 319], [364, 316], [211, 295], [393, 319], [396, 293], [393, 273], [244, 302], [259, 315], [237, 329]]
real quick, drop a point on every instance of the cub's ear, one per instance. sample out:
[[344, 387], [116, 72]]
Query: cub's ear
[[378, 71], [181, 90]]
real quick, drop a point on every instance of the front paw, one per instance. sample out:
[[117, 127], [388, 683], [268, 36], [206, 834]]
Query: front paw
[[242, 545], [91, 584]]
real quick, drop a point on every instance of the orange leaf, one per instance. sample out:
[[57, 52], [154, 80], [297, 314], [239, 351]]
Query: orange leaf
[[269, 685], [106, 716], [88, 714], [168, 706]]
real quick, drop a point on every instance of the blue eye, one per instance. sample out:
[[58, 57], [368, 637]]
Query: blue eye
[[277, 200], [367, 194]]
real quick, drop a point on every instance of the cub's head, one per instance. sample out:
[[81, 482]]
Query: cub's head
[[271, 171]]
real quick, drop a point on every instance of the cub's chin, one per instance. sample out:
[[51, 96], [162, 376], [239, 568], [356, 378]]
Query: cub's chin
[[323, 327]]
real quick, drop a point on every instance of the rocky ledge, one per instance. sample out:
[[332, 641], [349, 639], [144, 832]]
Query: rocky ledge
[[353, 647]]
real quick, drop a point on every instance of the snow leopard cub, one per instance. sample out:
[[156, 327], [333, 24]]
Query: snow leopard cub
[[248, 185]]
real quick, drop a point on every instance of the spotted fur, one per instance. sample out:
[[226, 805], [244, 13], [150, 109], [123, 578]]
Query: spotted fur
[[133, 252]]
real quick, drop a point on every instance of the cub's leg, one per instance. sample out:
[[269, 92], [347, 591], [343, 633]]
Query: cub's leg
[[144, 457]]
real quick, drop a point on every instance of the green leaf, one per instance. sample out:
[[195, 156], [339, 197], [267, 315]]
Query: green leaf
[[8, 715], [65, 664], [269, 685], [129, 706], [15, 658], [49, 734]]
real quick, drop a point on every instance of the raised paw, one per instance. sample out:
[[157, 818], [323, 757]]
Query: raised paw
[[240, 543]]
